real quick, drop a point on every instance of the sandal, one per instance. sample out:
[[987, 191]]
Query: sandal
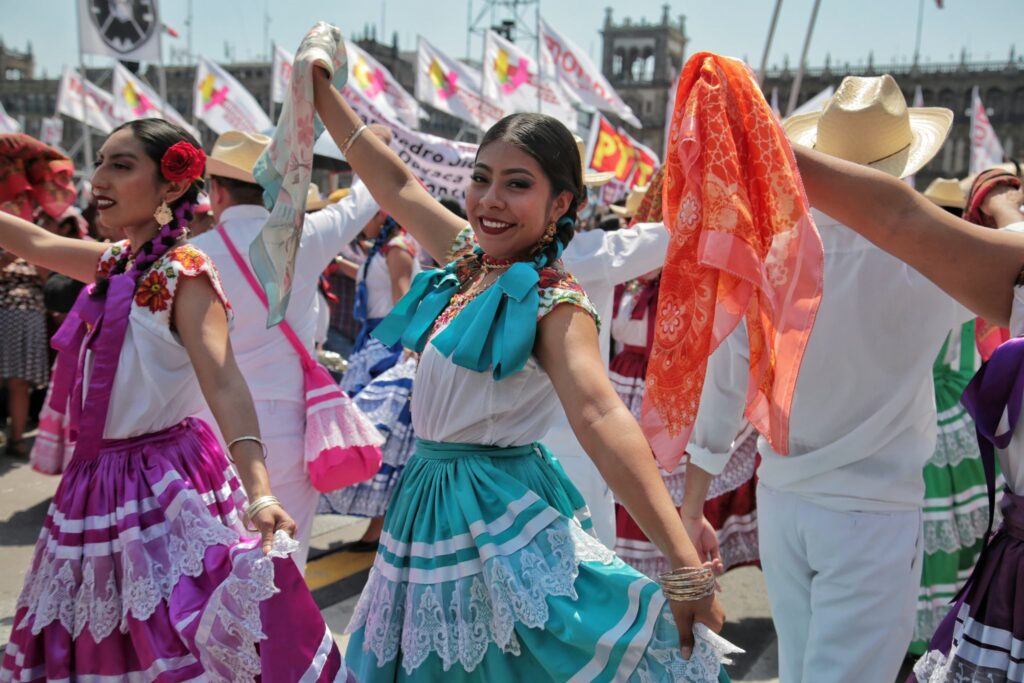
[[18, 448]]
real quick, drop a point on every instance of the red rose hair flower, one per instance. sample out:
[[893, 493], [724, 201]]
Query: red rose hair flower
[[183, 161]]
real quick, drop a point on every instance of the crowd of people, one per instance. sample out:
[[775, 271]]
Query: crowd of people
[[503, 351]]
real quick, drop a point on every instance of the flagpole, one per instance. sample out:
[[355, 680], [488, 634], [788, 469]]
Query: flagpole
[[86, 133], [920, 22], [794, 94], [273, 75], [161, 75], [540, 71], [768, 43]]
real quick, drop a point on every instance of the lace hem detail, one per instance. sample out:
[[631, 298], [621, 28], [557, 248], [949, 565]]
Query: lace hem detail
[[962, 529], [458, 620], [952, 448], [231, 626], [149, 562], [710, 652], [934, 667]]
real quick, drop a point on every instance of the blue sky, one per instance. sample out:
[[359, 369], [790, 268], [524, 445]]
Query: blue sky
[[848, 29]]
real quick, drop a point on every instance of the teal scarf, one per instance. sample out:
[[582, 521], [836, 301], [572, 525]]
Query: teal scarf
[[495, 330]]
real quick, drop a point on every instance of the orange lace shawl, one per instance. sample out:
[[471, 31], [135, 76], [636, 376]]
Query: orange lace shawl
[[743, 245]]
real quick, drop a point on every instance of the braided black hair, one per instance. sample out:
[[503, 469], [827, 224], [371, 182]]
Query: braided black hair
[[156, 137], [547, 140]]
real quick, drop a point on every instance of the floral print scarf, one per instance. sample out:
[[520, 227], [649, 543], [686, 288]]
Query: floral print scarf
[[743, 247], [33, 174]]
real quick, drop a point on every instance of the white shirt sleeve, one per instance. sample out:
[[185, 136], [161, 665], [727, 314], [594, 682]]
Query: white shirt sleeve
[[722, 401], [332, 227], [616, 256]]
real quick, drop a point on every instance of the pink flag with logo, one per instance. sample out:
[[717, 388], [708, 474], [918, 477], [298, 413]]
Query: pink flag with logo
[[452, 87], [986, 150]]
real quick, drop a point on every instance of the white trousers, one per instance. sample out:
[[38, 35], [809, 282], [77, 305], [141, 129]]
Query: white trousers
[[842, 587], [282, 427], [583, 473]]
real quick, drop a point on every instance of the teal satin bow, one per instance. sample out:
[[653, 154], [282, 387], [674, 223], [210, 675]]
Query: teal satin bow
[[495, 330]]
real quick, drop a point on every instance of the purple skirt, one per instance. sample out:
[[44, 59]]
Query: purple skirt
[[143, 571], [983, 639]]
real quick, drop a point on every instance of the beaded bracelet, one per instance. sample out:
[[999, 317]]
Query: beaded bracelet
[[688, 584]]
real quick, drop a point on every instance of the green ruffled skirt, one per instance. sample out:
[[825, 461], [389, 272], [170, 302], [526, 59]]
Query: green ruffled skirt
[[486, 571]]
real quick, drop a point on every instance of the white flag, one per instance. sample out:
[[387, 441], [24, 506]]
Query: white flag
[[376, 83], [8, 124], [122, 29], [223, 104], [85, 101], [282, 73], [775, 102], [816, 103], [986, 150], [579, 75], [512, 81], [452, 87], [133, 99], [51, 130]]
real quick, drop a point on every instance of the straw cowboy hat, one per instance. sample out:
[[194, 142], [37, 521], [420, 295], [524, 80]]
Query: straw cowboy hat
[[235, 153], [867, 121], [591, 178], [633, 199], [946, 192], [338, 195], [313, 200]]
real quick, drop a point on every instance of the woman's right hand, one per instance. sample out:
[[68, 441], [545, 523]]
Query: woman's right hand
[[268, 521], [707, 611]]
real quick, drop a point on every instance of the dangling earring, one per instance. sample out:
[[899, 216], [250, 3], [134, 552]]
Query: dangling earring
[[163, 214], [548, 237]]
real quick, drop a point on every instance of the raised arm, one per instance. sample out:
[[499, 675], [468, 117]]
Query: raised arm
[[568, 350], [75, 258], [391, 183], [202, 325], [975, 265]]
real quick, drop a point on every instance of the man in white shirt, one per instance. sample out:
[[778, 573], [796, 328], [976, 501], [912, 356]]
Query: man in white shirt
[[840, 516], [269, 363]]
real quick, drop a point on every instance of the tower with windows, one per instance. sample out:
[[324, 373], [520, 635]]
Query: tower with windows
[[641, 60]]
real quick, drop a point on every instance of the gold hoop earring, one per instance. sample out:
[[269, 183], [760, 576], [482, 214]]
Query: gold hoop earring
[[163, 214]]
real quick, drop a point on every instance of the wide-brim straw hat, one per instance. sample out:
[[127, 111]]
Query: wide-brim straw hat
[[867, 121], [313, 200], [338, 195], [234, 155], [591, 178], [633, 199], [946, 192]]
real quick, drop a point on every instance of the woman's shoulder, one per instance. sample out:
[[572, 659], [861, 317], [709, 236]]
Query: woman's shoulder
[[157, 288], [114, 252], [557, 286]]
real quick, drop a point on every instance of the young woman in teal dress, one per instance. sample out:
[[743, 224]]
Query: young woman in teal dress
[[485, 570]]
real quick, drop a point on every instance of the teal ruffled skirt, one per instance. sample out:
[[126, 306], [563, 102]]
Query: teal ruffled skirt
[[486, 571]]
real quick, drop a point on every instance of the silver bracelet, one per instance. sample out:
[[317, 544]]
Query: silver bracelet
[[351, 139], [257, 506], [245, 438]]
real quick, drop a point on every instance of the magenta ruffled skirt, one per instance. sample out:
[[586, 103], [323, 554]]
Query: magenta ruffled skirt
[[143, 571]]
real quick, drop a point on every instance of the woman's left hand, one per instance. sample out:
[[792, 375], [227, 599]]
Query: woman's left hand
[[269, 520]]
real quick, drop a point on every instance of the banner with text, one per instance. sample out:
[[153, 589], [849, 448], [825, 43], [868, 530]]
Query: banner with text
[[512, 81], [613, 150], [85, 101], [134, 99], [443, 166], [51, 131], [579, 75], [223, 104], [452, 87]]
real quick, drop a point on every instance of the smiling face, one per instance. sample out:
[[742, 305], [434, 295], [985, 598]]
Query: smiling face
[[127, 187], [510, 201]]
